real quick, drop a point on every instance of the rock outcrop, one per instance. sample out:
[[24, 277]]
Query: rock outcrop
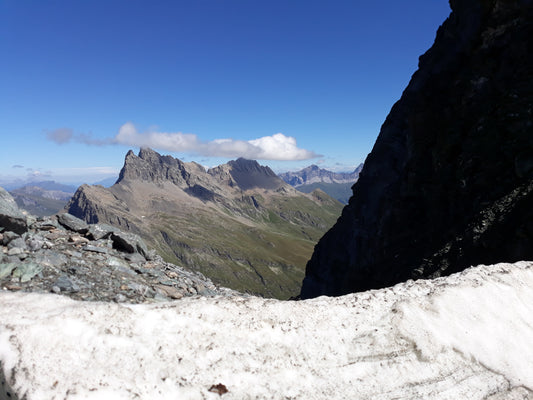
[[238, 224], [449, 182], [11, 218], [65, 255]]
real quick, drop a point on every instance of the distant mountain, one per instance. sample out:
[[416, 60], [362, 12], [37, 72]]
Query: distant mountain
[[238, 223], [339, 191], [336, 184], [43, 198], [315, 174]]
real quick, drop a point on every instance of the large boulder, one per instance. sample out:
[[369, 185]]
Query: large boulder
[[449, 182], [11, 218]]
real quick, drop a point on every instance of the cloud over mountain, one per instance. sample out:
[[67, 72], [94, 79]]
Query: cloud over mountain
[[275, 147]]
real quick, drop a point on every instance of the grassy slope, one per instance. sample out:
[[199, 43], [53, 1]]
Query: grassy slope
[[266, 257]]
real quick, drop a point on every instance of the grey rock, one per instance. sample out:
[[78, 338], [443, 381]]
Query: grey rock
[[11, 218], [65, 284], [56, 289], [35, 243], [15, 251], [8, 237], [120, 298], [6, 269], [50, 258], [151, 255], [115, 262], [73, 223], [141, 289], [95, 249], [46, 225], [129, 242], [100, 231], [134, 258], [17, 243], [26, 271]]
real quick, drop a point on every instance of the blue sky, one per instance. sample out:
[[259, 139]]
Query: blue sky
[[288, 82]]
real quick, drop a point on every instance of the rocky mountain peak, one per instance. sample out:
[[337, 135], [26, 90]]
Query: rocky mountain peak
[[150, 166], [250, 174], [245, 165]]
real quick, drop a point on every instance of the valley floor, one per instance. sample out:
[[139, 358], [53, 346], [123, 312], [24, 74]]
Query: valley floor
[[468, 335]]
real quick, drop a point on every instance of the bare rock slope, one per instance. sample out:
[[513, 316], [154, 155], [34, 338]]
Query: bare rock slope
[[449, 182]]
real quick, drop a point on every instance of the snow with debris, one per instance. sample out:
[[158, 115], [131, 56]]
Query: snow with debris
[[469, 335]]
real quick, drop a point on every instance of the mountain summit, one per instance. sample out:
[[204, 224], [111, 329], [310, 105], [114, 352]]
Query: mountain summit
[[238, 223]]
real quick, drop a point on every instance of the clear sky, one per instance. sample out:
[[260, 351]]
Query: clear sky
[[288, 82]]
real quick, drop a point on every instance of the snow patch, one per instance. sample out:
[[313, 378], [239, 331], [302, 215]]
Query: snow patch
[[488, 320], [464, 336]]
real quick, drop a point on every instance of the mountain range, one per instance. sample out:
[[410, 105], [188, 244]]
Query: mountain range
[[336, 184], [315, 174], [238, 223], [43, 198]]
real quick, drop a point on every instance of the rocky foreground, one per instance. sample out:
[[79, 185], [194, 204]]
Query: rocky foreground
[[466, 336], [65, 255]]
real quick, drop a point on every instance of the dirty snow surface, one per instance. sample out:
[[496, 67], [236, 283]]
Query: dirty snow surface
[[468, 336]]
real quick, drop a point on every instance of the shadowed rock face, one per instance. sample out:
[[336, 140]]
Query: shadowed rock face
[[249, 174], [449, 182]]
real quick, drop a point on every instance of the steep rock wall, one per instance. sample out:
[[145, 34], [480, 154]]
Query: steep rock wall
[[449, 182]]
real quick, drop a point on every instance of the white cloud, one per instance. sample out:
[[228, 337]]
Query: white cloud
[[275, 147]]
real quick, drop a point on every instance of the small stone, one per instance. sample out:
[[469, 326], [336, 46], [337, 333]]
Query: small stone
[[119, 298], [25, 272], [8, 237], [18, 242], [56, 289], [35, 244], [65, 284], [166, 282], [6, 269], [15, 251], [171, 274], [95, 249], [134, 258], [13, 287], [77, 239], [46, 225], [169, 291]]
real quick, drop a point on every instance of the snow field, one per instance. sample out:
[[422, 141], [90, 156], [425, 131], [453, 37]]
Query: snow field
[[464, 336]]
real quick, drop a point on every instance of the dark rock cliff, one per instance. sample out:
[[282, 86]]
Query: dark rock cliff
[[449, 182]]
